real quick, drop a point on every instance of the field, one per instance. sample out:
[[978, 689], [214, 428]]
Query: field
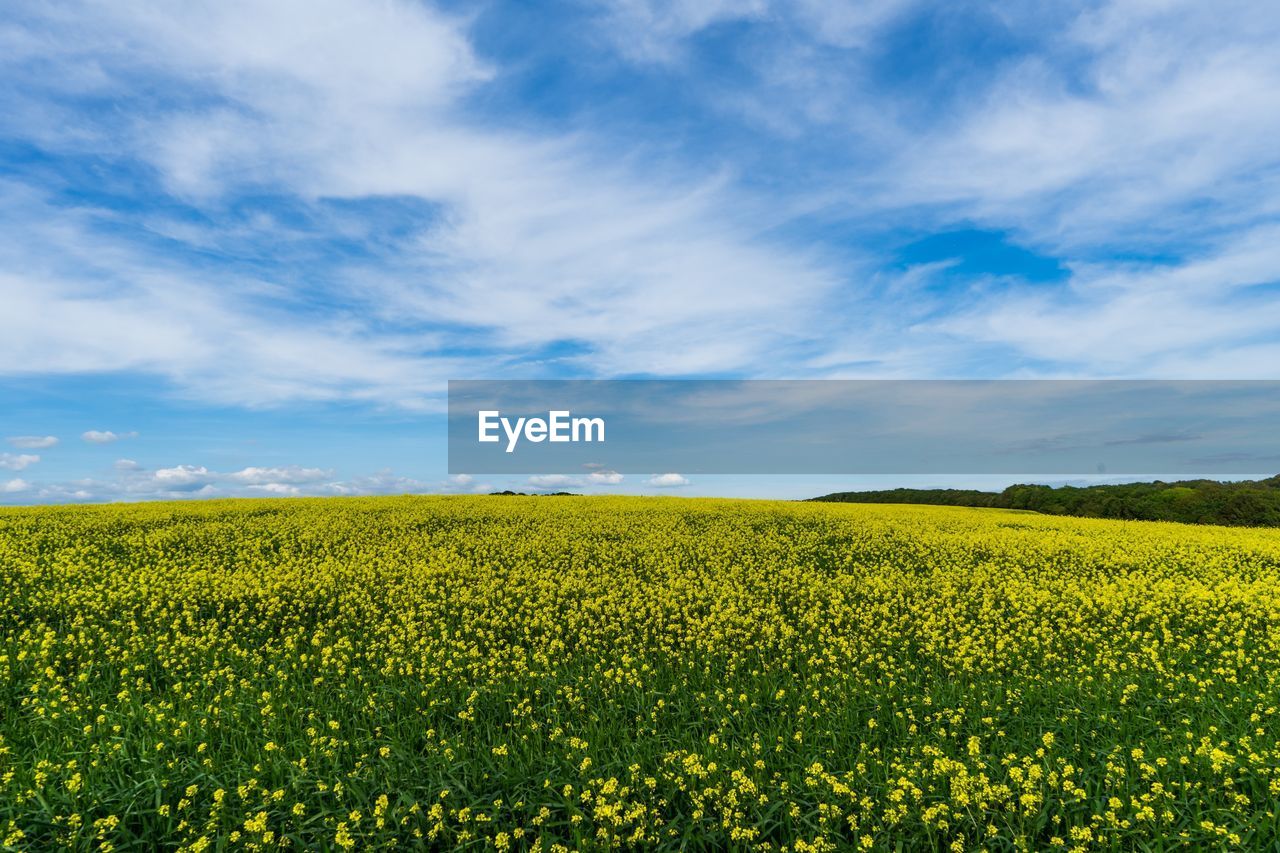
[[569, 673]]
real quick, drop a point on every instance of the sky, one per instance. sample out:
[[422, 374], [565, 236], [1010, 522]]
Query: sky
[[244, 244]]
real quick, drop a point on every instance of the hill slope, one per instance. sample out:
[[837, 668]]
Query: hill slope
[[515, 674]]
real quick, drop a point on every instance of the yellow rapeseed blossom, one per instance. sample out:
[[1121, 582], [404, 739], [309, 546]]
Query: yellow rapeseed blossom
[[615, 673]]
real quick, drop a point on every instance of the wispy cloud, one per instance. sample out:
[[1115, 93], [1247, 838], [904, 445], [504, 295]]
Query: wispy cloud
[[98, 436], [17, 461], [134, 482], [540, 239], [291, 475], [574, 481], [658, 30], [33, 442], [529, 239], [1139, 122], [667, 481], [1209, 316], [553, 481]]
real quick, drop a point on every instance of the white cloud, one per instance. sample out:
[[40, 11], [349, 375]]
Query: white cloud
[[95, 436], [387, 483], [541, 237], [183, 477], [33, 442], [291, 474], [17, 461], [277, 488], [132, 482], [572, 481], [381, 483], [667, 481], [1203, 318], [1143, 123], [553, 481], [1147, 124], [655, 30], [14, 486], [1135, 129]]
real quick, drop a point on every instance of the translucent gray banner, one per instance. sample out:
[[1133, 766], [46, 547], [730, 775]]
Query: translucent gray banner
[[1120, 427]]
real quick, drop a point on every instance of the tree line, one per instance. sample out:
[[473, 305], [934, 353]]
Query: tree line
[[1254, 503]]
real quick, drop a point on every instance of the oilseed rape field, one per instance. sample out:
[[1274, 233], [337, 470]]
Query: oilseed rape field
[[514, 673]]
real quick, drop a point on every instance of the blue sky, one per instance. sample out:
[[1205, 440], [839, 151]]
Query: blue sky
[[252, 240]]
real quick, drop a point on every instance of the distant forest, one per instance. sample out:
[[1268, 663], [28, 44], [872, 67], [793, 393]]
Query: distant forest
[[1254, 503]]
